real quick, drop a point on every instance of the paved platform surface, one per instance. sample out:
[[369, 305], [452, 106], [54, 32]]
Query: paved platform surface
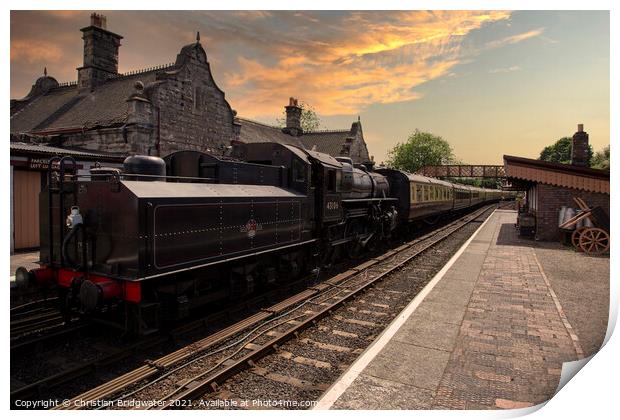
[[26, 259], [493, 332]]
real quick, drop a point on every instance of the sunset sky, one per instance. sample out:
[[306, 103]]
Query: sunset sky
[[491, 83]]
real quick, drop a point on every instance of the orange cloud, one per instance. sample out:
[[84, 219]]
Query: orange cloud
[[32, 51], [65, 14], [515, 38], [375, 58]]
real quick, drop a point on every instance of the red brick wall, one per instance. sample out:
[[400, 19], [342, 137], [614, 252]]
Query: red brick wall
[[551, 199]]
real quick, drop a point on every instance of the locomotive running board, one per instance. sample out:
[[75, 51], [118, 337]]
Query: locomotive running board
[[254, 254], [363, 200]]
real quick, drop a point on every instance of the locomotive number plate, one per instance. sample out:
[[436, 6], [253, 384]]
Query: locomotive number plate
[[332, 205]]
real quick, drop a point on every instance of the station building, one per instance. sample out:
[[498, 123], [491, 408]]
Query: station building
[[106, 115], [155, 111], [550, 186]]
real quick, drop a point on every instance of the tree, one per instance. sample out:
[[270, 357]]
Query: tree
[[419, 150], [309, 120], [560, 151], [601, 159]]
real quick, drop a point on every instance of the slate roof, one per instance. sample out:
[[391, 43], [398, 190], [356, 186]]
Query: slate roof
[[40, 149], [65, 107], [326, 141], [255, 132], [559, 174], [329, 142]]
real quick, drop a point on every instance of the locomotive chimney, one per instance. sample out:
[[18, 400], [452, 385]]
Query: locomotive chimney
[[580, 151], [293, 118], [100, 53]]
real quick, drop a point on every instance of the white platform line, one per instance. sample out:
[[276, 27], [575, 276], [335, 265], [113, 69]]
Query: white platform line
[[342, 384], [569, 328]]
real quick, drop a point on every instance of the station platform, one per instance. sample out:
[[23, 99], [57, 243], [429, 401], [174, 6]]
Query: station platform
[[23, 259], [490, 331]]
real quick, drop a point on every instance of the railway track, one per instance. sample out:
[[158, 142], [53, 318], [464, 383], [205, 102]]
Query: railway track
[[185, 376], [33, 317], [40, 387]]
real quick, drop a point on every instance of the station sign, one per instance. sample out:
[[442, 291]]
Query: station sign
[[42, 164]]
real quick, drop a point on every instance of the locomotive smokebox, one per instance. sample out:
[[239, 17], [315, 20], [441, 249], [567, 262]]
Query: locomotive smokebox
[[153, 168]]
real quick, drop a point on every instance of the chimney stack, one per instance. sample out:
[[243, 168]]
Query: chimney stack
[[100, 53], [580, 150], [293, 118]]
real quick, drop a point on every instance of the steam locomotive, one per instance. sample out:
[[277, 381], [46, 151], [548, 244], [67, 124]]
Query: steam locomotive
[[162, 237]]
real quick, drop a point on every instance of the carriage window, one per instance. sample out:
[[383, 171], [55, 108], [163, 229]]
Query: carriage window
[[426, 192], [419, 193], [413, 193]]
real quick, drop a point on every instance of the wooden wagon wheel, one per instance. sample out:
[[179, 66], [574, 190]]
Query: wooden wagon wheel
[[576, 235], [594, 241]]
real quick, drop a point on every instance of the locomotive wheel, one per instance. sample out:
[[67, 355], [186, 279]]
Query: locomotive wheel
[[355, 250], [594, 241], [575, 237]]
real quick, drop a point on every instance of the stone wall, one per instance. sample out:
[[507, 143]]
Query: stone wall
[[551, 199], [358, 151], [189, 109], [105, 140], [130, 139], [183, 110]]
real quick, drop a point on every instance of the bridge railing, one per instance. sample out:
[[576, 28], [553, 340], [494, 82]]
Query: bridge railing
[[463, 171]]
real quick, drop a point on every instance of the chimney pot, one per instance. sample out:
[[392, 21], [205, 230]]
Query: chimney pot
[[580, 128], [100, 21]]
